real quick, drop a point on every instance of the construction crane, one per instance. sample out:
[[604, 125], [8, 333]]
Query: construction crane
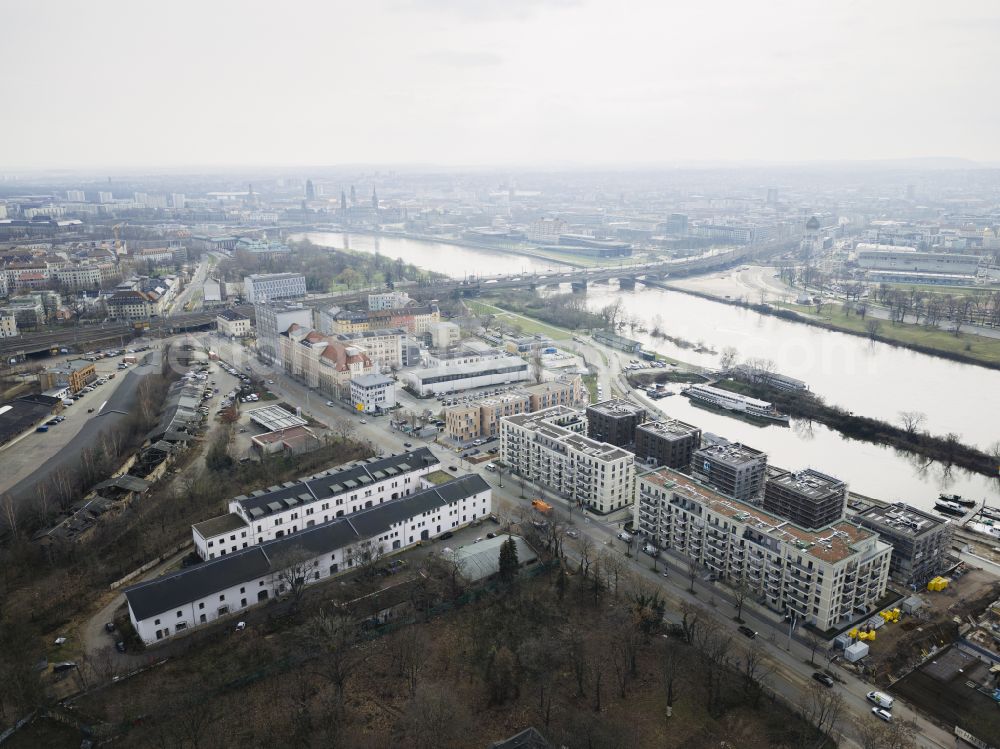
[[116, 229]]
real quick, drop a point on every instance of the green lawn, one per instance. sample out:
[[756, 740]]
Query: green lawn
[[967, 344], [527, 325]]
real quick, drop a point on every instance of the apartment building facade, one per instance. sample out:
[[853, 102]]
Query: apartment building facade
[[614, 421], [920, 541], [829, 577], [296, 505], [180, 601], [550, 449], [732, 468], [808, 498], [668, 443], [321, 362]]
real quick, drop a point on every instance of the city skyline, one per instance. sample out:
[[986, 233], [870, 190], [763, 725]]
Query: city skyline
[[556, 83]]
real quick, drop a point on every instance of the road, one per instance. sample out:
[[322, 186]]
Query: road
[[788, 656], [110, 415]]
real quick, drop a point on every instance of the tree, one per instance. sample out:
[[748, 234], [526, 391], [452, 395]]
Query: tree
[[912, 421], [218, 459], [741, 591], [294, 568], [692, 571], [873, 327], [823, 709], [334, 635], [672, 666], [728, 358], [508, 560], [755, 673], [814, 641]]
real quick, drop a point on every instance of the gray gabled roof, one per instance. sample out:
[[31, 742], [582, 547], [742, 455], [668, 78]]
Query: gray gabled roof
[[166, 593]]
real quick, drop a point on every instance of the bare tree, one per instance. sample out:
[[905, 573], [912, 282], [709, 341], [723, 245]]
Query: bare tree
[[334, 635], [294, 568], [873, 327], [756, 671], [823, 710], [912, 421], [692, 572], [814, 641], [672, 666], [741, 591], [728, 358], [409, 650]]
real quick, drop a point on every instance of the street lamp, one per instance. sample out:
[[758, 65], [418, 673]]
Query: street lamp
[[791, 625]]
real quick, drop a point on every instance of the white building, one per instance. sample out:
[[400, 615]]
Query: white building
[[281, 510], [908, 260], [105, 197], [8, 326], [388, 300], [178, 201], [273, 320], [444, 334], [75, 196], [232, 324], [173, 603], [549, 448], [384, 347], [472, 373], [373, 393], [266, 287], [828, 577], [79, 276]]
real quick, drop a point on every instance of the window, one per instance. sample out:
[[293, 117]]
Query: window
[[222, 597], [201, 605], [180, 614], [156, 621]]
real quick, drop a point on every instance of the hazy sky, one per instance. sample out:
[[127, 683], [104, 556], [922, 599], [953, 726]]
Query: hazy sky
[[134, 83]]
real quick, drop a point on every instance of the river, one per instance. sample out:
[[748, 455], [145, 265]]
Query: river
[[876, 380]]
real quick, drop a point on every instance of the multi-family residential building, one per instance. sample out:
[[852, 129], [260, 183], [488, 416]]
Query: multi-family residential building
[[322, 362], [267, 287], [550, 449], [472, 372], [414, 319], [75, 374], [373, 393], [808, 498], [732, 468], [614, 421], [233, 324], [565, 390], [132, 305], [273, 320], [444, 335], [388, 300], [280, 510], [828, 577], [171, 604], [384, 347], [668, 443], [78, 276], [920, 542], [8, 325]]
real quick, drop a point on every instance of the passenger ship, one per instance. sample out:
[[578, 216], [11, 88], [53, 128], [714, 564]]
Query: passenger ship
[[742, 404]]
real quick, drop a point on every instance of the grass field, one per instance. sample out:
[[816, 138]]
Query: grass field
[[527, 325], [974, 346]]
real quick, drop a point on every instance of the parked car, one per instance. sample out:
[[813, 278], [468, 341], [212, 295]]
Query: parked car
[[491, 534], [824, 679], [90, 410], [364, 421], [452, 468], [623, 536], [109, 627], [747, 632], [329, 403], [573, 533], [882, 714], [120, 646], [407, 444]]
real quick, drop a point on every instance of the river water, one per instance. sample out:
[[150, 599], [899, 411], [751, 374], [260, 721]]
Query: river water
[[875, 380]]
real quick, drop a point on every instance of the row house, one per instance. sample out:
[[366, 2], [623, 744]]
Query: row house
[[297, 505], [172, 604], [828, 577], [550, 449]]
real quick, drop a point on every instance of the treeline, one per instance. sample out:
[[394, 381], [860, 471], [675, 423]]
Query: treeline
[[873, 332], [947, 449], [577, 652], [562, 310], [325, 268]]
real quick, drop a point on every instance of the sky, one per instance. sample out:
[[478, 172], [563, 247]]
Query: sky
[[495, 82]]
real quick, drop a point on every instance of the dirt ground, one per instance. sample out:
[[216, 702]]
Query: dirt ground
[[897, 647]]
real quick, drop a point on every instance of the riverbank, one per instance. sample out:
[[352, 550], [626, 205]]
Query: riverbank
[[805, 405], [964, 348]]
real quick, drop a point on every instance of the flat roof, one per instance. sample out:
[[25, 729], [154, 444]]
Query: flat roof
[[901, 519], [616, 407], [231, 315], [669, 428], [480, 560], [275, 418], [832, 543], [808, 483], [730, 453]]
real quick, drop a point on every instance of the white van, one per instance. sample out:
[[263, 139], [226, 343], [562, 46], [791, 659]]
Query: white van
[[881, 699]]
